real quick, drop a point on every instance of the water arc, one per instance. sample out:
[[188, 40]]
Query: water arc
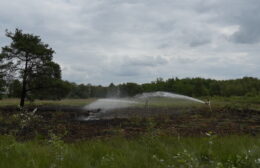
[[148, 95]]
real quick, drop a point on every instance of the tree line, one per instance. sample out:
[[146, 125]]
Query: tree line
[[196, 87], [28, 72]]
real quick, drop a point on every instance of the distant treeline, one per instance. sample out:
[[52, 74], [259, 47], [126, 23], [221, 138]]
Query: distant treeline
[[196, 87]]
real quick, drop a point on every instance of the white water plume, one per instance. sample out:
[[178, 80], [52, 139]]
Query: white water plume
[[168, 95], [110, 104], [105, 106]]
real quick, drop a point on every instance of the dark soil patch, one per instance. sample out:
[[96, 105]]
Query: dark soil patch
[[63, 120]]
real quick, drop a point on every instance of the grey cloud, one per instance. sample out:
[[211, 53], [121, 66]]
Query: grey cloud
[[186, 60], [135, 40], [249, 23], [127, 72], [149, 61], [248, 34], [246, 14], [199, 42]]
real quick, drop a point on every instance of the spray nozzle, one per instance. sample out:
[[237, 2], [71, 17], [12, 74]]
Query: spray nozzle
[[208, 103]]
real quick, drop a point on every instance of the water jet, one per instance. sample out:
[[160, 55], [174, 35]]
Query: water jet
[[107, 107]]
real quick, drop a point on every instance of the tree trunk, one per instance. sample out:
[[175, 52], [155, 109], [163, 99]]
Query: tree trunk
[[23, 94]]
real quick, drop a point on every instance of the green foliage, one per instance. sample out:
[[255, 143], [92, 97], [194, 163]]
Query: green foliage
[[20, 122], [56, 90], [196, 87], [2, 84], [30, 60], [2, 75], [142, 152], [129, 89], [14, 89]]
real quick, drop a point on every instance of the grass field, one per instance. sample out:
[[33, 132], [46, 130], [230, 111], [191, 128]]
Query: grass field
[[72, 102], [252, 102], [237, 102], [181, 141], [140, 152]]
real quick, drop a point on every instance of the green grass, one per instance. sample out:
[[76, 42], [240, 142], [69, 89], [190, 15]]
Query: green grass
[[141, 152], [252, 102], [155, 102], [238, 102], [70, 102], [171, 102]]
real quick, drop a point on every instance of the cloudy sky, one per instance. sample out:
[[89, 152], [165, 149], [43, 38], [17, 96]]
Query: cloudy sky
[[104, 41]]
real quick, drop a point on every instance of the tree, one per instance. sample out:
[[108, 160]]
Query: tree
[[14, 89], [112, 91], [2, 83], [2, 76], [29, 59], [130, 89]]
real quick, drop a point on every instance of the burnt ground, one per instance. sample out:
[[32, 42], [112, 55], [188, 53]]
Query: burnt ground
[[72, 122]]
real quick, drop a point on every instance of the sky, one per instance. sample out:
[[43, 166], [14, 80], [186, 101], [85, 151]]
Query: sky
[[104, 41]]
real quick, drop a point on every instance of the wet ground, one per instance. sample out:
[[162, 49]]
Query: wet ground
[[75, 123]]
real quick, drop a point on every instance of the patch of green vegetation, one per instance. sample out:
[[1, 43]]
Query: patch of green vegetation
[[245, 102], [68, 102], [235, 101], [9, 102], [141, 152], [163, 101]]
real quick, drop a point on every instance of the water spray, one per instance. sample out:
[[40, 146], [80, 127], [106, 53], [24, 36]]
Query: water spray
[[168, 95], [146, 104], [208, 103], [106, 105]]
